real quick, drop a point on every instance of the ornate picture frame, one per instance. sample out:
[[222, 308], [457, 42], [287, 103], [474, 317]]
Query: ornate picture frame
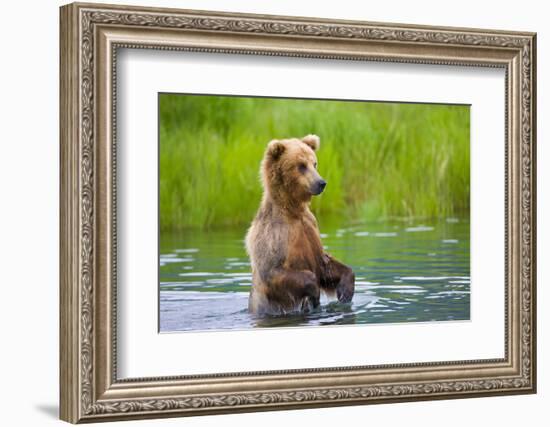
[[90, 37]]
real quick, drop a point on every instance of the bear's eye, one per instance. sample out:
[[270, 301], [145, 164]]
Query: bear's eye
[[302, 167], [315, 165]]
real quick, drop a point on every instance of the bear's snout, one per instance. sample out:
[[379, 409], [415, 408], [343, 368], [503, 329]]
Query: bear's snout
[[319, 186]]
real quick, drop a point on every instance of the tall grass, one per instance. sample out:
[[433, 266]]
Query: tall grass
[[379, 159]]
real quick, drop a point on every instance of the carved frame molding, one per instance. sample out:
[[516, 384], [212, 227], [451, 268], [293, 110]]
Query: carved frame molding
[[90, 37]]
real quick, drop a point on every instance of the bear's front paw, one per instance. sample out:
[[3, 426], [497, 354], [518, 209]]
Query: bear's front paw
[[312, 292], [308, 305], [346, 287], [311, 287], [344, 295], [345, 292]]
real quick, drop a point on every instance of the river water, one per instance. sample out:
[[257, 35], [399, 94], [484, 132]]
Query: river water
[[406, 271]]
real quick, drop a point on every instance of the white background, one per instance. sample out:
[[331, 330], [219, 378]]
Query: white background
[[29, 176], [141, 347]]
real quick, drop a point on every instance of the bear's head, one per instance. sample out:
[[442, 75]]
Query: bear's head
[[289, 169]]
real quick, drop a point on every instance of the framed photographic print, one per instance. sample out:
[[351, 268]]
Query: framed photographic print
[[266, 212]]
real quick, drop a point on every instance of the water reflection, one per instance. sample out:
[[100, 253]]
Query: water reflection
[[405, 272]]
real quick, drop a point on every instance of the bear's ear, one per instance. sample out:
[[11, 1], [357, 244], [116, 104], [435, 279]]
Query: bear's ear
[[275, 149], [313, 141]]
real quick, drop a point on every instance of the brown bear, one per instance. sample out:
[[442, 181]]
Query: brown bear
[[289, 265]]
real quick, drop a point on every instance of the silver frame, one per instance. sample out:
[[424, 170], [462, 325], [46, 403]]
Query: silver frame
[[90, 37]]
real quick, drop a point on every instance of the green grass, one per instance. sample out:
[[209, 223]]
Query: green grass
[[379, 159]]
